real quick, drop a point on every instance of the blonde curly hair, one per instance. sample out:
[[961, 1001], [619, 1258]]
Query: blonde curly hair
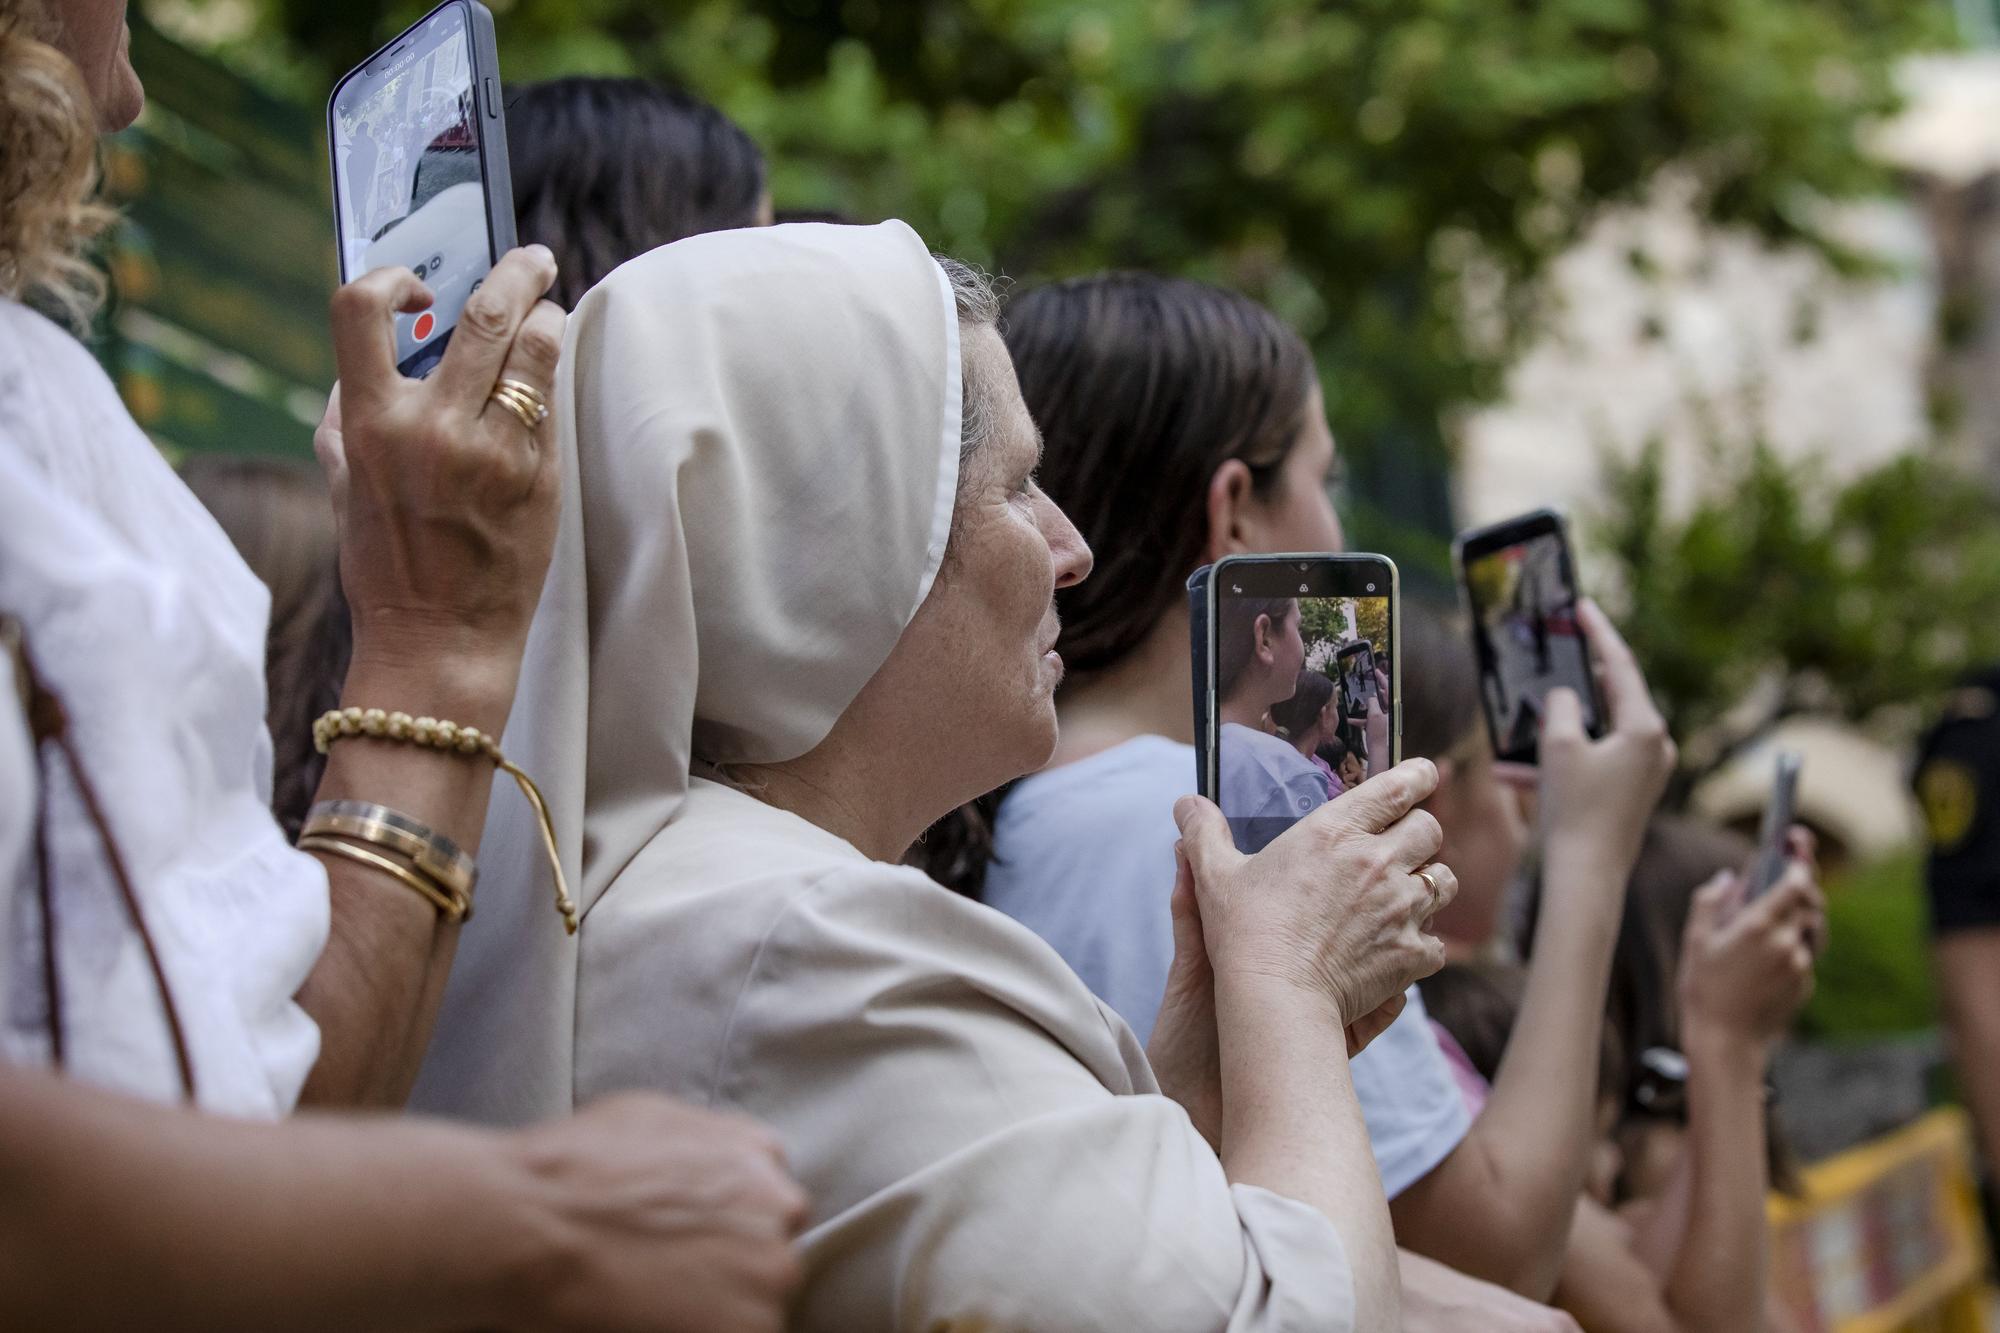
[[48, 170]]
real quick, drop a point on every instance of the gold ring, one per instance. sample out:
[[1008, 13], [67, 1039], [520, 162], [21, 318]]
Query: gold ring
[[1423, 873], [536, 398], [531, 412]]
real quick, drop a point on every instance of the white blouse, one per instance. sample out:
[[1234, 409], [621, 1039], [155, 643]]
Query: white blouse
[[141, 617]]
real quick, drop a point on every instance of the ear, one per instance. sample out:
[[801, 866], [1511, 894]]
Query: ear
[[1229, 498], [1263, 638]]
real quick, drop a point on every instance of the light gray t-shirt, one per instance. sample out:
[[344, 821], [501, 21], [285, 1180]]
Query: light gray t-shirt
[[1085, 859], [1266, 785]]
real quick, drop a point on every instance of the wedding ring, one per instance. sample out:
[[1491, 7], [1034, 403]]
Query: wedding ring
[[525, 401], [1423, 873]]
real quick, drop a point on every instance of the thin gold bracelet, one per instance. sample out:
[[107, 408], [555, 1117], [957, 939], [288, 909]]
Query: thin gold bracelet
[[429, 852], [434, 734], [451, 908]]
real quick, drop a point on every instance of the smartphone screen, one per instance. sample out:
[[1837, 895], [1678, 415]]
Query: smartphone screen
[[1521, 591], [1304, 706], [409, 185]]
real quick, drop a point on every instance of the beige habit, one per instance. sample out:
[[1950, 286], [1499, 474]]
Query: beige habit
[[762, 436]]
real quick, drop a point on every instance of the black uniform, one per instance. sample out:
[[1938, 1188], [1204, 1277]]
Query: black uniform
[[1958, 784]]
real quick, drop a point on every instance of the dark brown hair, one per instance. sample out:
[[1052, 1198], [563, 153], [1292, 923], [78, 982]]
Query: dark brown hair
[[1142, 387], [1296, 715], [1440, 683], [606, 169], [1678, 856], [1477, 1004]]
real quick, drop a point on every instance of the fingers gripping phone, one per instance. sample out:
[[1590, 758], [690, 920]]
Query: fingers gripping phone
[[420, 176], [1773, 835], [1285, 648], [1519, 584]]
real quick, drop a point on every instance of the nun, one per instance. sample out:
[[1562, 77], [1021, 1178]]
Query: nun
[[801, 606]]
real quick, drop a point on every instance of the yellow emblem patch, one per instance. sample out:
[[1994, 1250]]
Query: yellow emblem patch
[[1949, 792]]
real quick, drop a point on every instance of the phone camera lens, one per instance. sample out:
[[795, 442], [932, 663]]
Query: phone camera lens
[[1303, 566]]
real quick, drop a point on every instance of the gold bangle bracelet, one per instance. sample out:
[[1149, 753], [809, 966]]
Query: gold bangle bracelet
[[451, 909], [433, 733], [433, 854]]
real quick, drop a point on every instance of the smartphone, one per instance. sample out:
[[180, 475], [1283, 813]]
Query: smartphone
[[1519, 585], [420, 176], [1780, 813], [1357, 675], [1273, 640]]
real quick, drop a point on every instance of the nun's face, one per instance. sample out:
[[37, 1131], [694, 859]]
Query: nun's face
[[979, 659]]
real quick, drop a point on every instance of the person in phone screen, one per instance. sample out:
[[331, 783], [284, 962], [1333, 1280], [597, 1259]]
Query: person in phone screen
[[1265, 784], [1307, 719]]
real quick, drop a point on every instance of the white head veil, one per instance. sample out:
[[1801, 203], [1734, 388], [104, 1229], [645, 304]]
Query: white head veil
[[760, 438]]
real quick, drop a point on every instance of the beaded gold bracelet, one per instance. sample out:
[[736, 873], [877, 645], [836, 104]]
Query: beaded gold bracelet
[[435, 734]]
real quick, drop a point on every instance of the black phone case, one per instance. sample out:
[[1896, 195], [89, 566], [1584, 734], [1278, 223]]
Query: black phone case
[[497, 179], [486, 98], [1198, 592], [1600, 720], [1200, 586]]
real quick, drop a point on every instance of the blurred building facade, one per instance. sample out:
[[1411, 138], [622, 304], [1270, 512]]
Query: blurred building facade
[[1668, 330]]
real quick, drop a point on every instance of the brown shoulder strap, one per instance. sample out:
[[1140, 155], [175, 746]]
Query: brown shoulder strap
[[48, 725]]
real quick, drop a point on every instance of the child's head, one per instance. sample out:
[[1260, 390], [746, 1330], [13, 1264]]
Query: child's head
[[1484, 832], [1299, 717], [1678, 856]]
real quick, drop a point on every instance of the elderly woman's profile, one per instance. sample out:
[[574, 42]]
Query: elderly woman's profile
[[801, 606]]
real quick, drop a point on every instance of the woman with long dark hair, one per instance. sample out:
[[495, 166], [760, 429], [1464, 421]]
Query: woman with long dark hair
[[1182, 423]]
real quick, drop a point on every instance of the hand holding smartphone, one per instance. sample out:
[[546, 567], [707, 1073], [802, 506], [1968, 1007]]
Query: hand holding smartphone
[[1774, 834], [1289, 701], [420, 173], [1519, 585]]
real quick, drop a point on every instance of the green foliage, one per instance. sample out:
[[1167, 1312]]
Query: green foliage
[[1875, 976], [1346, 163], [1801, 595]]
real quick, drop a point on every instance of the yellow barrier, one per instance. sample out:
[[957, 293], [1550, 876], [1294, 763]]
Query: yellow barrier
[[1886, 1237]]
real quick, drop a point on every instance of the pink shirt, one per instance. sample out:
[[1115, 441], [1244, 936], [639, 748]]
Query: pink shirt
[[1472, 1085]]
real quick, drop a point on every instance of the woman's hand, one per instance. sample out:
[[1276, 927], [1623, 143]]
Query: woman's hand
[[1747, 968], [1333, 906], [1596, 795], [446, 501], [446, 504], [1185, 1050], [669, 1218]]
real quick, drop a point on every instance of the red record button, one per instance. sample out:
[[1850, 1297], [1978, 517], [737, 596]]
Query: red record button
[[425, 326]]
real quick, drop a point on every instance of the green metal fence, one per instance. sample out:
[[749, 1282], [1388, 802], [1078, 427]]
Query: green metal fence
[[216, 334]]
